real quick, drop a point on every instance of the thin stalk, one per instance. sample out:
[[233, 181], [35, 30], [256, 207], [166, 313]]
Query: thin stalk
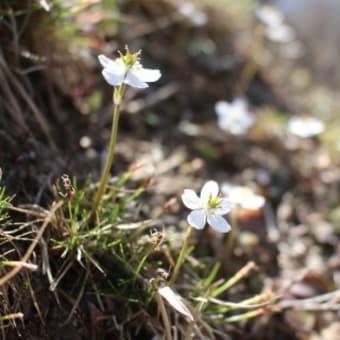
[[230, 241], [144, 258], [117, 99], [242, 273], [49, 217], [164, 315], [251, 66], [198, 311], [73, 225], [246, 316], [11, 316], [180, 258]]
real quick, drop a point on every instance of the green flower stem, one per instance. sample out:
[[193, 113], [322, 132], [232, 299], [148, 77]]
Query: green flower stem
[[164, 315], [118, 93], [251, 66], [181, 256], [242, 273], [246, 316], [73, 225], [230, 241], [144, 258]]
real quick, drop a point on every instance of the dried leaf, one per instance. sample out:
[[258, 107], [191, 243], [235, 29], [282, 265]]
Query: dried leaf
[[132, 226], [175, 301]]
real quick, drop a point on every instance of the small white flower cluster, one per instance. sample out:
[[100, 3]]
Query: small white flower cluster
[[276, 30], [305, 127], [209, 207], [234, 117]]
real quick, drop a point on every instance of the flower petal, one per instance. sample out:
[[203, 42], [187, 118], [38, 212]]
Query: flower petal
[[305, 127], [218, 223], [209, 190], [253, 202], [223, 122], [104, 60], [197, 219], [225, 206], [147, 75], [116, 66], [240, 104], [133, 80], [241, 127], [222, 108], [190, 199], [113, 79], [175, 301], [280, 34], [227, 189], [269, 15]]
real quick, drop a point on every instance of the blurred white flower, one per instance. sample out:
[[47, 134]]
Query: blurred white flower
[[276, 30], [280, 34], [45, 5], [234, 117], [207, 208], [196, 16], [269, 15], [127, 69], [305, 127], [244, 196]]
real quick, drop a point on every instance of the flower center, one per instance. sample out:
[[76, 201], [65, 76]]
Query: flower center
[[213, 203], [237, 117], [130, 59]]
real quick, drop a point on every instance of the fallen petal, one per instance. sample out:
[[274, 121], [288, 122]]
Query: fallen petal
[[175, 301]]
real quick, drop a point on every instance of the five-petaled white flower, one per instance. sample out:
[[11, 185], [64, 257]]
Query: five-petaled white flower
[[207, 208], [305, 127], [127, 69], [234, 117], [244, 196]]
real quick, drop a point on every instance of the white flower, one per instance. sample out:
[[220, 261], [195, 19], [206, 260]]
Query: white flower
[[207, 208], [197, 17], [243, 196], [127, 69], [269, 15], [234, 117], [276, 30], [305, 127], [280, 34]]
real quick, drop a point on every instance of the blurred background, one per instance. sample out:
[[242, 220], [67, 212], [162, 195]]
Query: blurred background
[[317, 25]]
